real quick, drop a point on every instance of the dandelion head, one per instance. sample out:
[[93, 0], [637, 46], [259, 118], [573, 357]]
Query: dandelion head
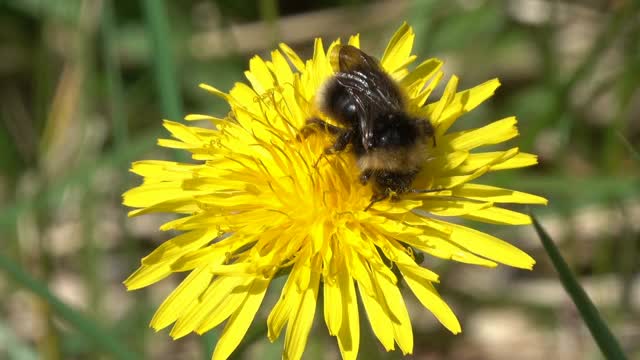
[[260, 200]]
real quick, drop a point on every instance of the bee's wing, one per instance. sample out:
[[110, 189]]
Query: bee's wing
[[374, 94], [372, 90], [346, 58]]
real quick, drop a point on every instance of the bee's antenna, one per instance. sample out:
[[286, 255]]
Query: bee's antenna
[[370, 205], [425, 191], [315, 165], [376, 198]]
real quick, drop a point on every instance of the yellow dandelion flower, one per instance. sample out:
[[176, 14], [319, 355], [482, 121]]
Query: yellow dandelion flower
[[261, 201]]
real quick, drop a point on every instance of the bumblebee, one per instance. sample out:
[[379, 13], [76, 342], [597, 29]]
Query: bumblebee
[[390, 146]]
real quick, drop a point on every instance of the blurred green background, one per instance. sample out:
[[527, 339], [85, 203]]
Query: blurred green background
[[84, 85]]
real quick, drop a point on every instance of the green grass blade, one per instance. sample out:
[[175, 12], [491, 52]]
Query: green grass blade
[[607, 343], [163, 61], [84, 325], [269, 15], [115, 88], [635, 153], [209, 341]]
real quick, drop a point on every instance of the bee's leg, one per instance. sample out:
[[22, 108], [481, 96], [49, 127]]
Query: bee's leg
[[426, 129], [343, 139], [343, 135], [341, 143], [365, 175], [319, 123], [376, 198]]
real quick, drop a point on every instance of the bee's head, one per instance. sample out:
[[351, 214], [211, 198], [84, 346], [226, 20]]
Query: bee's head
[[336, 102]]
